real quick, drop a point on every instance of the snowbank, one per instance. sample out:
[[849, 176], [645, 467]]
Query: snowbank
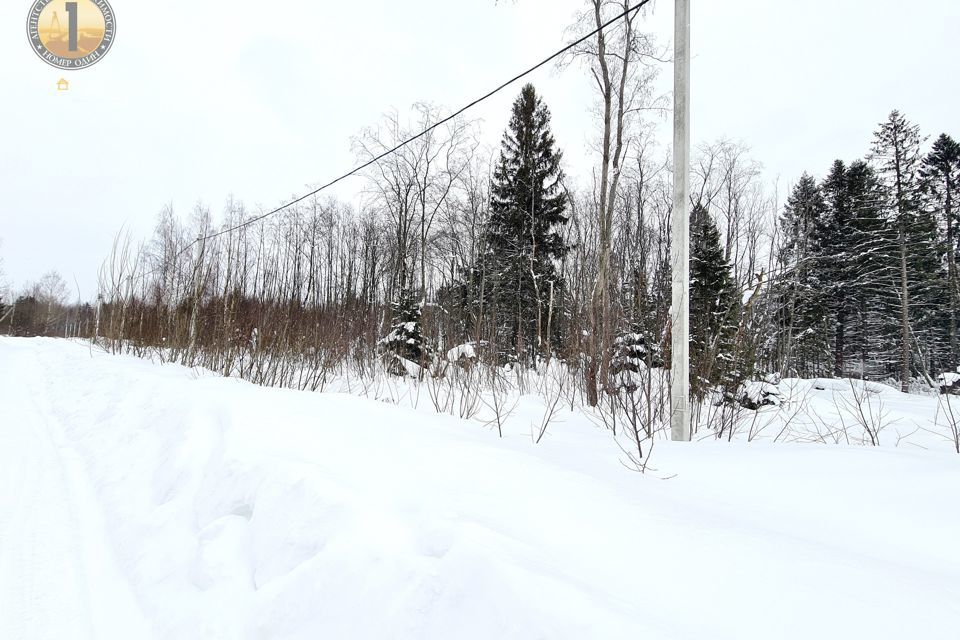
[[234, 511]]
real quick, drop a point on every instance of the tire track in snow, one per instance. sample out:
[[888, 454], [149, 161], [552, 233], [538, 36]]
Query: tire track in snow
[[58, 578], [40, 586]]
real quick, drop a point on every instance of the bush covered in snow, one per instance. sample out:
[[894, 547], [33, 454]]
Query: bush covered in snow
[[464, 355], [406, 350], [949, 382], [754, 394]]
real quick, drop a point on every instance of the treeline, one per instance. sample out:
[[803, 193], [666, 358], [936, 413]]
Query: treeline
[[449, 248], [42, 309], [868, 263], [854, 277]]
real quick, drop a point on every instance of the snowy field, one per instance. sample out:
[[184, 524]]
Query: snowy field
[[140, 500]]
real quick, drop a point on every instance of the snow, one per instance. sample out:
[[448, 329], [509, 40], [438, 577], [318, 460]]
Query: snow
[[753, 394], [141, 500], [460, 352], [948, 378], [839, 411]]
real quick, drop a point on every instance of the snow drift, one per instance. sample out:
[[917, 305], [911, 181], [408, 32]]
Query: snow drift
[[203, 507]]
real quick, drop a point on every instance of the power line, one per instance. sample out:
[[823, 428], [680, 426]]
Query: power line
[[445, 120]]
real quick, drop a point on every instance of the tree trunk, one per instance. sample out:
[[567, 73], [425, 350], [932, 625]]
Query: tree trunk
[[839, 346], [952, 283], [601, 322], [904, 315]]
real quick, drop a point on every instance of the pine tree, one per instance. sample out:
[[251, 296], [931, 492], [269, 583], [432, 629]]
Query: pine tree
[[896, 150], [645, 298], [872, 335], [523, 238], [632, 354], [405, 349], [941, 181], [833, 260], [713, 305], [804, 229], [27, 319]]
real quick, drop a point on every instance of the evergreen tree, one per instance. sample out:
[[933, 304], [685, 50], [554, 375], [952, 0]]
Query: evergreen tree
[[523, 238], [27, 319], [713, 305], [896, 151], [405, 349], [803, 226], [873, 334], [941, 180], [632, 355], [645, 298], [834, 260]]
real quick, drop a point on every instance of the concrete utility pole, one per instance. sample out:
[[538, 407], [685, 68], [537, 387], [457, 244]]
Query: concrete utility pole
[[96, 324], [680, 223]]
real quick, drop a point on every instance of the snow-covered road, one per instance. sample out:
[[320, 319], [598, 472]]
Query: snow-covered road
[[58, 577], [139, 500]]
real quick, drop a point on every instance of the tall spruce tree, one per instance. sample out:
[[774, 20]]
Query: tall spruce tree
[[941, 181], [523, 234], [873, 335], [896, 151], [803, 227], [713, 305], [834, 260]]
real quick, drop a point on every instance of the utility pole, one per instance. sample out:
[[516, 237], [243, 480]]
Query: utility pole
[[96, 324], [197, 291], [680, 224]]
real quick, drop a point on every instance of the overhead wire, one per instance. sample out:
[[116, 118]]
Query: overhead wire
[[378, 158]]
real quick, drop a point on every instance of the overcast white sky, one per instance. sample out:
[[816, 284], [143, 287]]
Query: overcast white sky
[[199, 100]]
